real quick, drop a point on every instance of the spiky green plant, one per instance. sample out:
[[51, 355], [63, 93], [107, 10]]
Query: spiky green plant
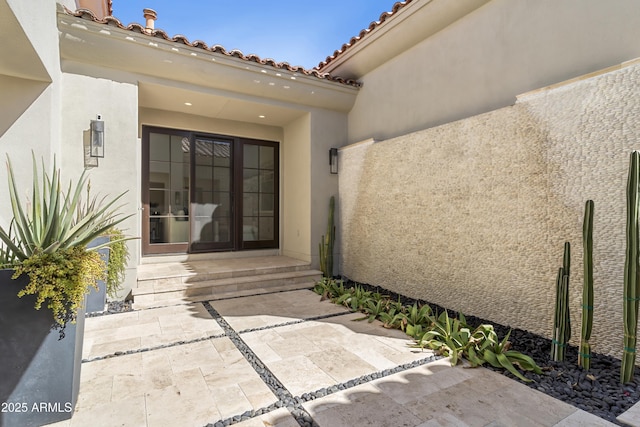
[[584, 356], [449, 337], [47, 240], [499, 353], [561, 321], [453, 338], [327, 241], [57, 219], [631, 271]]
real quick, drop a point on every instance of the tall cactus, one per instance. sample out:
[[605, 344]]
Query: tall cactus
[[326, 243], [584, 357], [631, 272], [561, 322]]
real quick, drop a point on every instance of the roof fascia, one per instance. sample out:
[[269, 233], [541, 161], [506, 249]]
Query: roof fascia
[[410, 25], [102, 45]]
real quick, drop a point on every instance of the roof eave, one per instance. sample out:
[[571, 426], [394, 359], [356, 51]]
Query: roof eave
[[406, 27], [133, 51]]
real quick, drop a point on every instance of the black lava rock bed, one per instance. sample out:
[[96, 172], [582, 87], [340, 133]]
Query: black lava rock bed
[[597, 391]]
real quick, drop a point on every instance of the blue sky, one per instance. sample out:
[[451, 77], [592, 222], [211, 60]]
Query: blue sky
[[300, 32]]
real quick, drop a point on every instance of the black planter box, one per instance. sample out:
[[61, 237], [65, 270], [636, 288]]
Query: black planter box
[[39, 373]]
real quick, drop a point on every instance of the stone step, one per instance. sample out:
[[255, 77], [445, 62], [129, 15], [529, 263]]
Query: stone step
[[147, 293], [138, 305], [173, 273]]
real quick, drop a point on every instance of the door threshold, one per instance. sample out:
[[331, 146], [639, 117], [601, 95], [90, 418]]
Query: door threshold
[[156, 259]]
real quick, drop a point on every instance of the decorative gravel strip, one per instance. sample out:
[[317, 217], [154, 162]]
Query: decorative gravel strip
[[325, 391], [158, 347], [113, 307], [294, 322], [285, 398]]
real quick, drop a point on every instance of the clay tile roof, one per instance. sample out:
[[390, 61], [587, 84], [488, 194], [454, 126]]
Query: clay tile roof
[[375, 24], [179, 38]]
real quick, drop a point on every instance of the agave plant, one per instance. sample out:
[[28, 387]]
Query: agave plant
[[47, 240], [448, 337], [499, 355], [57, 219], [453, 338]]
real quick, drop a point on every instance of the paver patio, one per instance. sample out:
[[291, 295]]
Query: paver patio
[[185, 369]]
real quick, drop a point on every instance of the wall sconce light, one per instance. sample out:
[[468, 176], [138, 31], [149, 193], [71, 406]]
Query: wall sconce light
[[333, 160], [96, 142]]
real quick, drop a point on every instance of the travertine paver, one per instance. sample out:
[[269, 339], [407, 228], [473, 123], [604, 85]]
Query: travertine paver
[[439, 395], [278, 418], [632, 416], [273, 309], [315, 354], [186, 385], [106, 335], [201, 382]]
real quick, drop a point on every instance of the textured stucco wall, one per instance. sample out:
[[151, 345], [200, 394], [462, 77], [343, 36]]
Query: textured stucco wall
[[472, 215]]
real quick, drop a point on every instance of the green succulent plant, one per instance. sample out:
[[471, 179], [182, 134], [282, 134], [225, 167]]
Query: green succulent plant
[[453, 338], [499, 355], [448, 337]]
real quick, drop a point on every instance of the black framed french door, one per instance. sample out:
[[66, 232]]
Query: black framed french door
[[204, 192]]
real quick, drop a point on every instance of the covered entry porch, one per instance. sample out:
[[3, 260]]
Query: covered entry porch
[[215, 99]]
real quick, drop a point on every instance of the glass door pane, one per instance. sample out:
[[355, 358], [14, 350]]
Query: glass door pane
[[259, 195], [211, 219], [168, 189]]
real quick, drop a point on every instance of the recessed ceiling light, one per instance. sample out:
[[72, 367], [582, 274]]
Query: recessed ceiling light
[[261, 116], [188, 104]]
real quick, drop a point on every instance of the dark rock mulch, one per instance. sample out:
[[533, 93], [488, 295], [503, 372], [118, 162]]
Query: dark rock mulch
[[113, 307]]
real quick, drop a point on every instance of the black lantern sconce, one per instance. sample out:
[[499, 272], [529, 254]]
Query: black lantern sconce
[[96, 142], [333, 160]]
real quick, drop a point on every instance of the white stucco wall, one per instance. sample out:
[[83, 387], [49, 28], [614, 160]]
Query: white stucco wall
[[296, 194], [328, 130], [30, 105], [307, 182], [473, 215], [38, 22], [484, 60], [119, 171], [175, 120]]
